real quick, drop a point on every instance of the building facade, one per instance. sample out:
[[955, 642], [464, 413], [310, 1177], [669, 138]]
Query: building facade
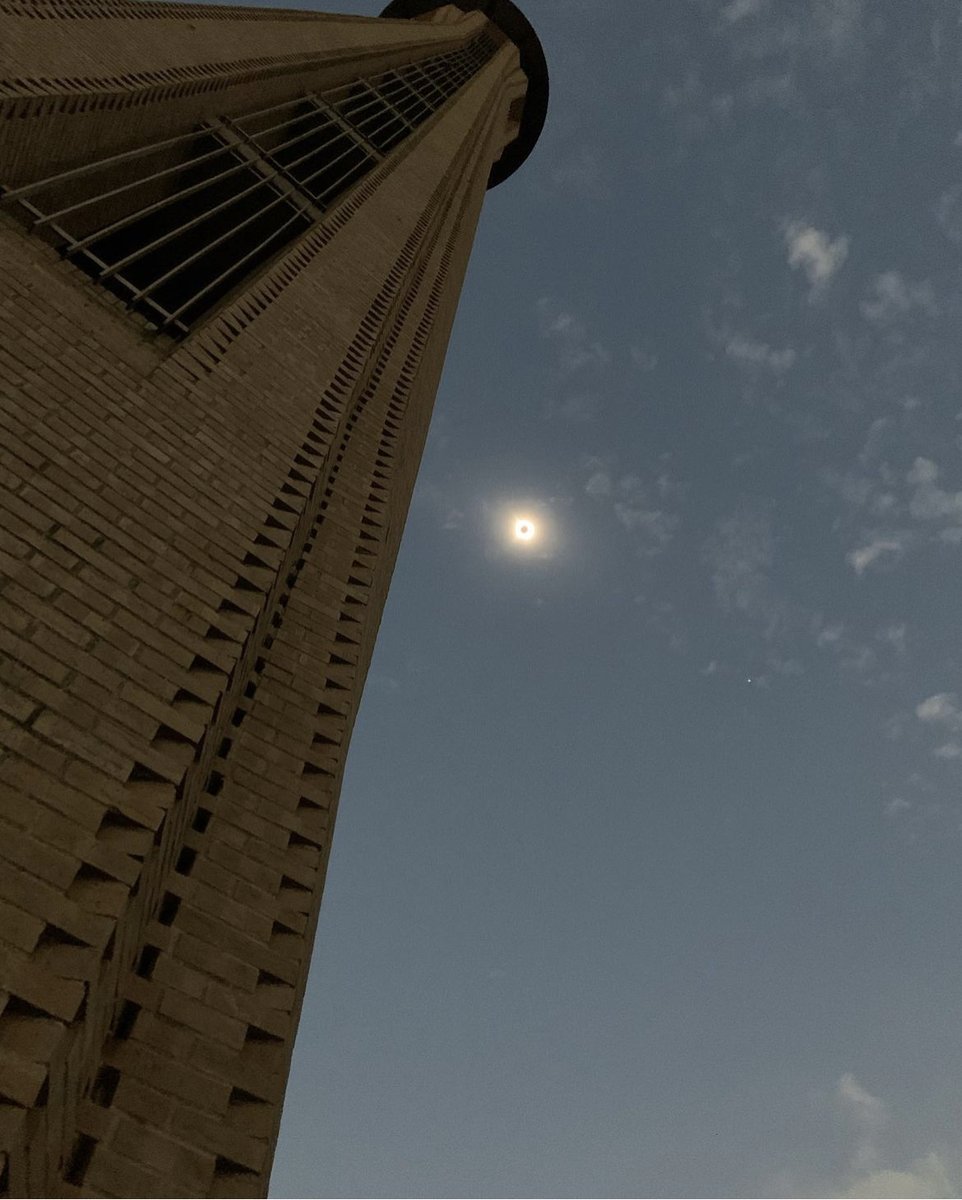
[[232, 243]]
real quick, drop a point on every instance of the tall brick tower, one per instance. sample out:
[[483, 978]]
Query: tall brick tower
[[232, 242]]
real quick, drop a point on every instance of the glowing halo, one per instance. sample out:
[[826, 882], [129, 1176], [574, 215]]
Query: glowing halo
[[521, 528]]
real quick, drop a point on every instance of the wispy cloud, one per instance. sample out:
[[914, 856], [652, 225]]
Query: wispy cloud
[[575, 409], [814, 253], [878, 490], [929, 502], [867, 1116], [867, 1124], [746, 352], [574, 347], [863, 491], [942, 710], [694, 110], [839, 25], [737, 10], [643, 358], [862, 558], [851, 653], [868, 1175], [948, 213], [829, 635], [641, 507], [891, 296], [894, 635], [741, 554]]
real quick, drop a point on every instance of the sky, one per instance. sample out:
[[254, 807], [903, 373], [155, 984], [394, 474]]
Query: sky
[[646, 875]]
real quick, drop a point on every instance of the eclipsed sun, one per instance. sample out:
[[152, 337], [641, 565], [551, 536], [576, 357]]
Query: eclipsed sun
[[524, 529]]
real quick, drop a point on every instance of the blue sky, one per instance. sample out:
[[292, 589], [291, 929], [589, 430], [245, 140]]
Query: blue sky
[[646, 874]]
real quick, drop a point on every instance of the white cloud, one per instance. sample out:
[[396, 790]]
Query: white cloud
[[816, 255], [930, 502], [574, 346], [851, 654], [926, 1179], [599, 484], [941, 709], [757, 354], [575, 409], [737, 10], [868, 1118], [864, 491], [892, 297], [829, 635], [948, 213], [634, 504], [840, 25], [693, 110], [875, 437], [863, 558], [894, 636], [866, 1110], [896, 806], [948, 750], [741, 554], [636, 511], [643, 358]]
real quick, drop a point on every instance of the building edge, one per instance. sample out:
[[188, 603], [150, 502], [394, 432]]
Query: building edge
[[516, 27]]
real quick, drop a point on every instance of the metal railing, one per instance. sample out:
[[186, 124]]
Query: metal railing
[[173, 227]]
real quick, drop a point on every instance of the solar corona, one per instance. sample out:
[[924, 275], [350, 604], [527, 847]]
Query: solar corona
[[233, 241]]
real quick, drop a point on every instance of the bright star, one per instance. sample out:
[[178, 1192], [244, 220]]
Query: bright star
[[524, 529]]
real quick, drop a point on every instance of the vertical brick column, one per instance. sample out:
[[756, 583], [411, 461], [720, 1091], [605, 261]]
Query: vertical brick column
[[196, 542]]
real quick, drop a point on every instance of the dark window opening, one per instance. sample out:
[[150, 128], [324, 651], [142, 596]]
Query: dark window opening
[[175, 227]]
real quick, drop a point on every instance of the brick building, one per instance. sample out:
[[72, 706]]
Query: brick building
[[232, 244]]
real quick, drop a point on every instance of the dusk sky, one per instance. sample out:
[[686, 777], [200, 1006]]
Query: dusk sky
[[646, 878]]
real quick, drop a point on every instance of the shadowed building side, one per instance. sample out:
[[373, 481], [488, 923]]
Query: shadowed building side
[[233, 243]]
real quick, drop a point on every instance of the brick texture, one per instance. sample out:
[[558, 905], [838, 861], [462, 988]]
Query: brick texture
[[196, 542]]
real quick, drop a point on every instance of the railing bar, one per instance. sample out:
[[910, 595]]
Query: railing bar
[[411, 93], [239, 123], [384, 109], [425, 79], [308, 98], [123, 222], [356, 109], [382, 106], [126, 187], [141, 251], [330, 162], [271, 108], [16, 193], [240, 262], [351, 130], [234, 229], [332, 188], [339, 132], [378, 129], [337, 182]]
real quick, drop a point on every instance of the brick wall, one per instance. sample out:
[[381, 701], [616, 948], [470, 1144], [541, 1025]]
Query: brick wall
[[196, 541]]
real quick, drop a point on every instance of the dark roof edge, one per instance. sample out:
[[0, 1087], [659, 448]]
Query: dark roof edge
[[515, 26]]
